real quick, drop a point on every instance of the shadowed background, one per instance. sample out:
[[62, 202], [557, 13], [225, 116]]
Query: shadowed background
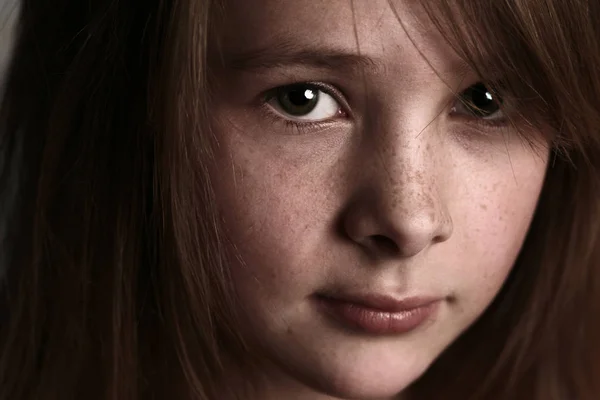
[[8, 13]]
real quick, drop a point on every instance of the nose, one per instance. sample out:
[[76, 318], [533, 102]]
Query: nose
[[398, 208]]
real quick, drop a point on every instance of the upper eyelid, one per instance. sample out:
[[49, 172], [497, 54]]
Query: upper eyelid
[[330, 89], [341, 98]]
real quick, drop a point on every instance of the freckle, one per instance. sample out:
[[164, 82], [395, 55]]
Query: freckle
[[419, 177], [483, 207]]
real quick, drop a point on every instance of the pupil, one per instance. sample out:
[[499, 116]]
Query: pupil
[[298, 100], [482, 102]]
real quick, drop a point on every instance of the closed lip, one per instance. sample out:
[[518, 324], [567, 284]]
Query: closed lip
[[379, 314], [383, 302]]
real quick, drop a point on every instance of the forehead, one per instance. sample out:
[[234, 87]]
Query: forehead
[[393, 31]]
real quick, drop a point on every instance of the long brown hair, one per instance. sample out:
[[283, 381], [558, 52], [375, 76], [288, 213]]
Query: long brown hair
[[116, 283]]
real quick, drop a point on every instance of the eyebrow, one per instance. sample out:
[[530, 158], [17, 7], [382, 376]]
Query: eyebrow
[[285, 54]]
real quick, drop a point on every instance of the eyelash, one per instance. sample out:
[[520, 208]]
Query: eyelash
[[298, 128], [301, 127]]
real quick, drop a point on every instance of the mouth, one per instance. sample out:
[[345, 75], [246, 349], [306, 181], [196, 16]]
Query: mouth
[[377, 314]]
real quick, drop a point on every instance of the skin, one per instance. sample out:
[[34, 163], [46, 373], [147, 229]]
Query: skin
[[396, 194]]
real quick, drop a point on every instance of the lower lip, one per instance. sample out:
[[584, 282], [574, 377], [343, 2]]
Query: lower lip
[[377, 322]]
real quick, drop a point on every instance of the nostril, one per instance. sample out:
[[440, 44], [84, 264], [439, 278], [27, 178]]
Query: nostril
[[384, 244]]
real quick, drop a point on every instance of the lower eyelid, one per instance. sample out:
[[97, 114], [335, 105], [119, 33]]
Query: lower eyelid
[[298, 127], [485, 124], [490, 121], [306, 125]]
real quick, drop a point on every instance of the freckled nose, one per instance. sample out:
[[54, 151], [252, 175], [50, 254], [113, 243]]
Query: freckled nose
[[387, 221]]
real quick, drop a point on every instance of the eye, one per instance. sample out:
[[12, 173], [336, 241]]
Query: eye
[[478, 101], [304, 102]]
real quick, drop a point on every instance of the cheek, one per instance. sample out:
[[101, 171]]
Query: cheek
[[277, 220], [492, 219]]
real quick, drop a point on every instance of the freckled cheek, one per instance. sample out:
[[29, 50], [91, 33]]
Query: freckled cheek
[[494, 231], [276, 223]]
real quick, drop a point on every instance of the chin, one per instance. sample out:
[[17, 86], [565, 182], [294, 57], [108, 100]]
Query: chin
[[371, 392], [367, 380], [366, 388]]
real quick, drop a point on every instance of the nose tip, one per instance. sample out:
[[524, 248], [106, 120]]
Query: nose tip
[[390, 232], [415, 234]]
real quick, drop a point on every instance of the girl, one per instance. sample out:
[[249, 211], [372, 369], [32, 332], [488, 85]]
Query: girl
[[304, 199]]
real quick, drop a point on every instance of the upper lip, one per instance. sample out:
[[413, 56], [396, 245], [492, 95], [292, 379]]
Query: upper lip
[[383, 302]]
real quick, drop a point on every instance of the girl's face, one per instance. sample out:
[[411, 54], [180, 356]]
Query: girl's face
[[376, 216]]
